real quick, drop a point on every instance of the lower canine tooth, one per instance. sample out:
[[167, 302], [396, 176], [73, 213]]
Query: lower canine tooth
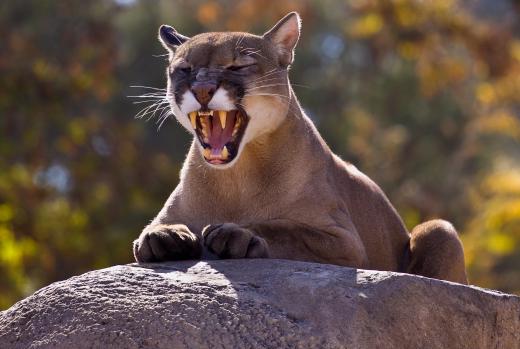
[[193, 118], [222, 116], [206, 152], [224, 153]]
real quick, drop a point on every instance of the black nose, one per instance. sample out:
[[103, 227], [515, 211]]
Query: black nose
[[203, 92]]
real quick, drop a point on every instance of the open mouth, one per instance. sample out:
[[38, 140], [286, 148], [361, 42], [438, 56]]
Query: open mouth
[[219, 133]]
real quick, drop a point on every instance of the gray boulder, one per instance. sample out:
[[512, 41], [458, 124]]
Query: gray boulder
[[259, 304]]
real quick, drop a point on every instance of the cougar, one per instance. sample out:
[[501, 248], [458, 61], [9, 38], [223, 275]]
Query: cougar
[[260, 182]]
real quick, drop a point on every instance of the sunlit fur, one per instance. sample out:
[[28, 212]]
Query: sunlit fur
[[286, 195], [266, 97]]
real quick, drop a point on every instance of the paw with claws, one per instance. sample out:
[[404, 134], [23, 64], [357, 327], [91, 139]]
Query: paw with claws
[[163, 242], [233, 241]]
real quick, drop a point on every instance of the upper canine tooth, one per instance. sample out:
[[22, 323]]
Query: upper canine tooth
[[222, 116], [193, 119]]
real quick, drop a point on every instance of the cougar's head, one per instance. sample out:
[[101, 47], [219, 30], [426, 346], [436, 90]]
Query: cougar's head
[[229, 88]]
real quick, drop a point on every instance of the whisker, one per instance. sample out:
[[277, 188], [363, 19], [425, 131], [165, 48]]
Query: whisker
[[158, 97], [160, 110], [253, 53], [143, 113], [148, 101], [271, 72], [300, 85], [164, 111], [240, 40], [154, 93], [267, 78], [148, 87], [147, 110], [264, 86], [162, 122], [148, 96], [267, 94], [272, 85], [159, 106]]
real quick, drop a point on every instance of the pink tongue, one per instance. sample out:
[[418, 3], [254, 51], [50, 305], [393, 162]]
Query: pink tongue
[[218, 136]]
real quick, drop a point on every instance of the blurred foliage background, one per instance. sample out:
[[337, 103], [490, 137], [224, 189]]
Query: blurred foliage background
[[423, 96]]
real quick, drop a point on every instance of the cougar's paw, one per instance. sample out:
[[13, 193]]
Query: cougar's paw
[[233, 241], [166, 243]]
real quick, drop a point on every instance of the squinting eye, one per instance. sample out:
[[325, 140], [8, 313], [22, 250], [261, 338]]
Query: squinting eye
[[185, 70], [240, 67]]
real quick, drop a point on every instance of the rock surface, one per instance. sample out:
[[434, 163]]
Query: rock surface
[[259, 304]]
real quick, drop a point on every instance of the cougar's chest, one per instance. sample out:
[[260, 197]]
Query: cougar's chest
[[237, 199]]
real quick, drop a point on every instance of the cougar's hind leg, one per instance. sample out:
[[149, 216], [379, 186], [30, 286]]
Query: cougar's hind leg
[[436, 252]]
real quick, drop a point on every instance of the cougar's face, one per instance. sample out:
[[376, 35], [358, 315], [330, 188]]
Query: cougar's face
[[226, 88]]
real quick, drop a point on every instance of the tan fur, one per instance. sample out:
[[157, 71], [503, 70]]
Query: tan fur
[[426, 255], [288, 196]]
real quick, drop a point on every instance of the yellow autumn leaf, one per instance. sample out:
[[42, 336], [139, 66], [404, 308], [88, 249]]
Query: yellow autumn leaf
[[366, 26], [485, 93], [501, 244]]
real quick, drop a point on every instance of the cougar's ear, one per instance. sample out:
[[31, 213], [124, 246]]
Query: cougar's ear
[[169, 37], [284, 35]]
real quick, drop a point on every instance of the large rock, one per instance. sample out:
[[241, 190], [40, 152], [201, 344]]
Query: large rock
[[259, 304]]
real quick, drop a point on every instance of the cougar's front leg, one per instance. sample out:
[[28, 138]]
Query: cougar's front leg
[[286, 239], [234, 241], [166, 242]]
